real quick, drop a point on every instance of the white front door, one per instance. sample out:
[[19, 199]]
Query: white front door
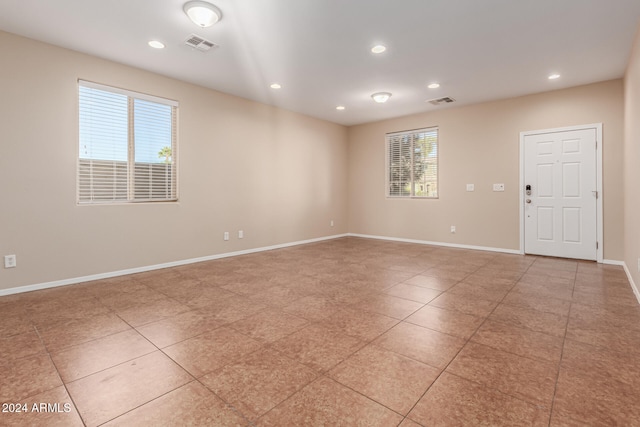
[[560, 194]]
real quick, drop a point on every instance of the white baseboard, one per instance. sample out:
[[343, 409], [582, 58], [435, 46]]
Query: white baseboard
[[448, 245], [64, 282], [633, 285]]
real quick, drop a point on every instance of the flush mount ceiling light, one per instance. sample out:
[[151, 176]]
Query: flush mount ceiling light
[[340, 107], [202, 13], [156, 44], [275, 86], [434, 86], [381, 97], [554, 76], [378, 49]]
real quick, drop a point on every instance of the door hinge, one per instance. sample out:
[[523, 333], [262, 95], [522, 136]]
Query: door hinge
[[596, 144], [595, 193], [597, 245]]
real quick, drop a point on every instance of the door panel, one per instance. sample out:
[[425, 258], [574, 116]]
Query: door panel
[[560, 217]]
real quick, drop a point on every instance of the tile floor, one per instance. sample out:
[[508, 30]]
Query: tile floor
[[343, 332]]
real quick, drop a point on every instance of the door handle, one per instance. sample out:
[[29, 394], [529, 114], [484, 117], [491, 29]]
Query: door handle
[[528, 200]]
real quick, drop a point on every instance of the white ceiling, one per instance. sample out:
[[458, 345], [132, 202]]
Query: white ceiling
[[319, 50]]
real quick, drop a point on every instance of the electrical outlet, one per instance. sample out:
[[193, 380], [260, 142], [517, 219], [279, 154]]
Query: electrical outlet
[[470, 187], [240, 234], [331, 223], [453, 229], [9, 261], [498, 187], [226, 235]]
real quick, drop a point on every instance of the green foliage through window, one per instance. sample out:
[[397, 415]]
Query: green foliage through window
[[412, 163]]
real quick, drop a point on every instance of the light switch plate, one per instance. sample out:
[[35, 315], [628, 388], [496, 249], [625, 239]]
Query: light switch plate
[[498, 187], [471, 187], [9, 261]]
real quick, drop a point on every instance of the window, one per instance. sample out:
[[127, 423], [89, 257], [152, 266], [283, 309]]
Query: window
[[412, 163], [128, 146]]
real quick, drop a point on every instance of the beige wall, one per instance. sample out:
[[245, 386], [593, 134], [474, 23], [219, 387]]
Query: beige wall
[[479, 144], [279, 176], [632, 163]]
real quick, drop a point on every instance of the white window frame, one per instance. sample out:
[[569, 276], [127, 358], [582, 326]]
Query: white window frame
[[131, 197], [413, 182]]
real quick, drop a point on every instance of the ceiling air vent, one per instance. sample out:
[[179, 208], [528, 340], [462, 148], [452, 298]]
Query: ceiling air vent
[[199, 43], [440, 101]]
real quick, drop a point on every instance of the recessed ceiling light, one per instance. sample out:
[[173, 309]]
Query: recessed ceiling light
[[554, 76], [381, 97], [156, 44], [434, 86], [202, 13], [340, 107], [378, 49], [275, 86]]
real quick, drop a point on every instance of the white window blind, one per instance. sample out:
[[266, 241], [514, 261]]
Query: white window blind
[[128, 146], [412, 163]]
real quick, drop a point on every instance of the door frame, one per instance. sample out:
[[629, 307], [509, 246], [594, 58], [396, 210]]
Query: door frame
[[599, 205]]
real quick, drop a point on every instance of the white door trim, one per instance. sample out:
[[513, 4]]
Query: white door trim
[[599, 208]]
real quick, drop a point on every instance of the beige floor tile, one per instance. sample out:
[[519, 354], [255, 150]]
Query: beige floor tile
[[93, 356], [390, 379], [520, 341], [152, 311], [422, 344], [269, 325], [527, 379], [180, 327], [312, 308], [318, 347], [25, 344], [534, 302], [538, 321], [110, 393], [359, 324], [327, 403], [210, 351], [190, 405], [465, 304], [74, 332], [447, 321], [25, 377], [431, 282], [413, 293], [454, 401], [258, 382], [398, 308]]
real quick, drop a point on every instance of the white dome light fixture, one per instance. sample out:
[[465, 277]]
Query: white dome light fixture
[[202, 13], [381, 97], [156, 44]]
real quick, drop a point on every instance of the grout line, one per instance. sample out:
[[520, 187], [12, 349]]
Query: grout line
[[564, 340]]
